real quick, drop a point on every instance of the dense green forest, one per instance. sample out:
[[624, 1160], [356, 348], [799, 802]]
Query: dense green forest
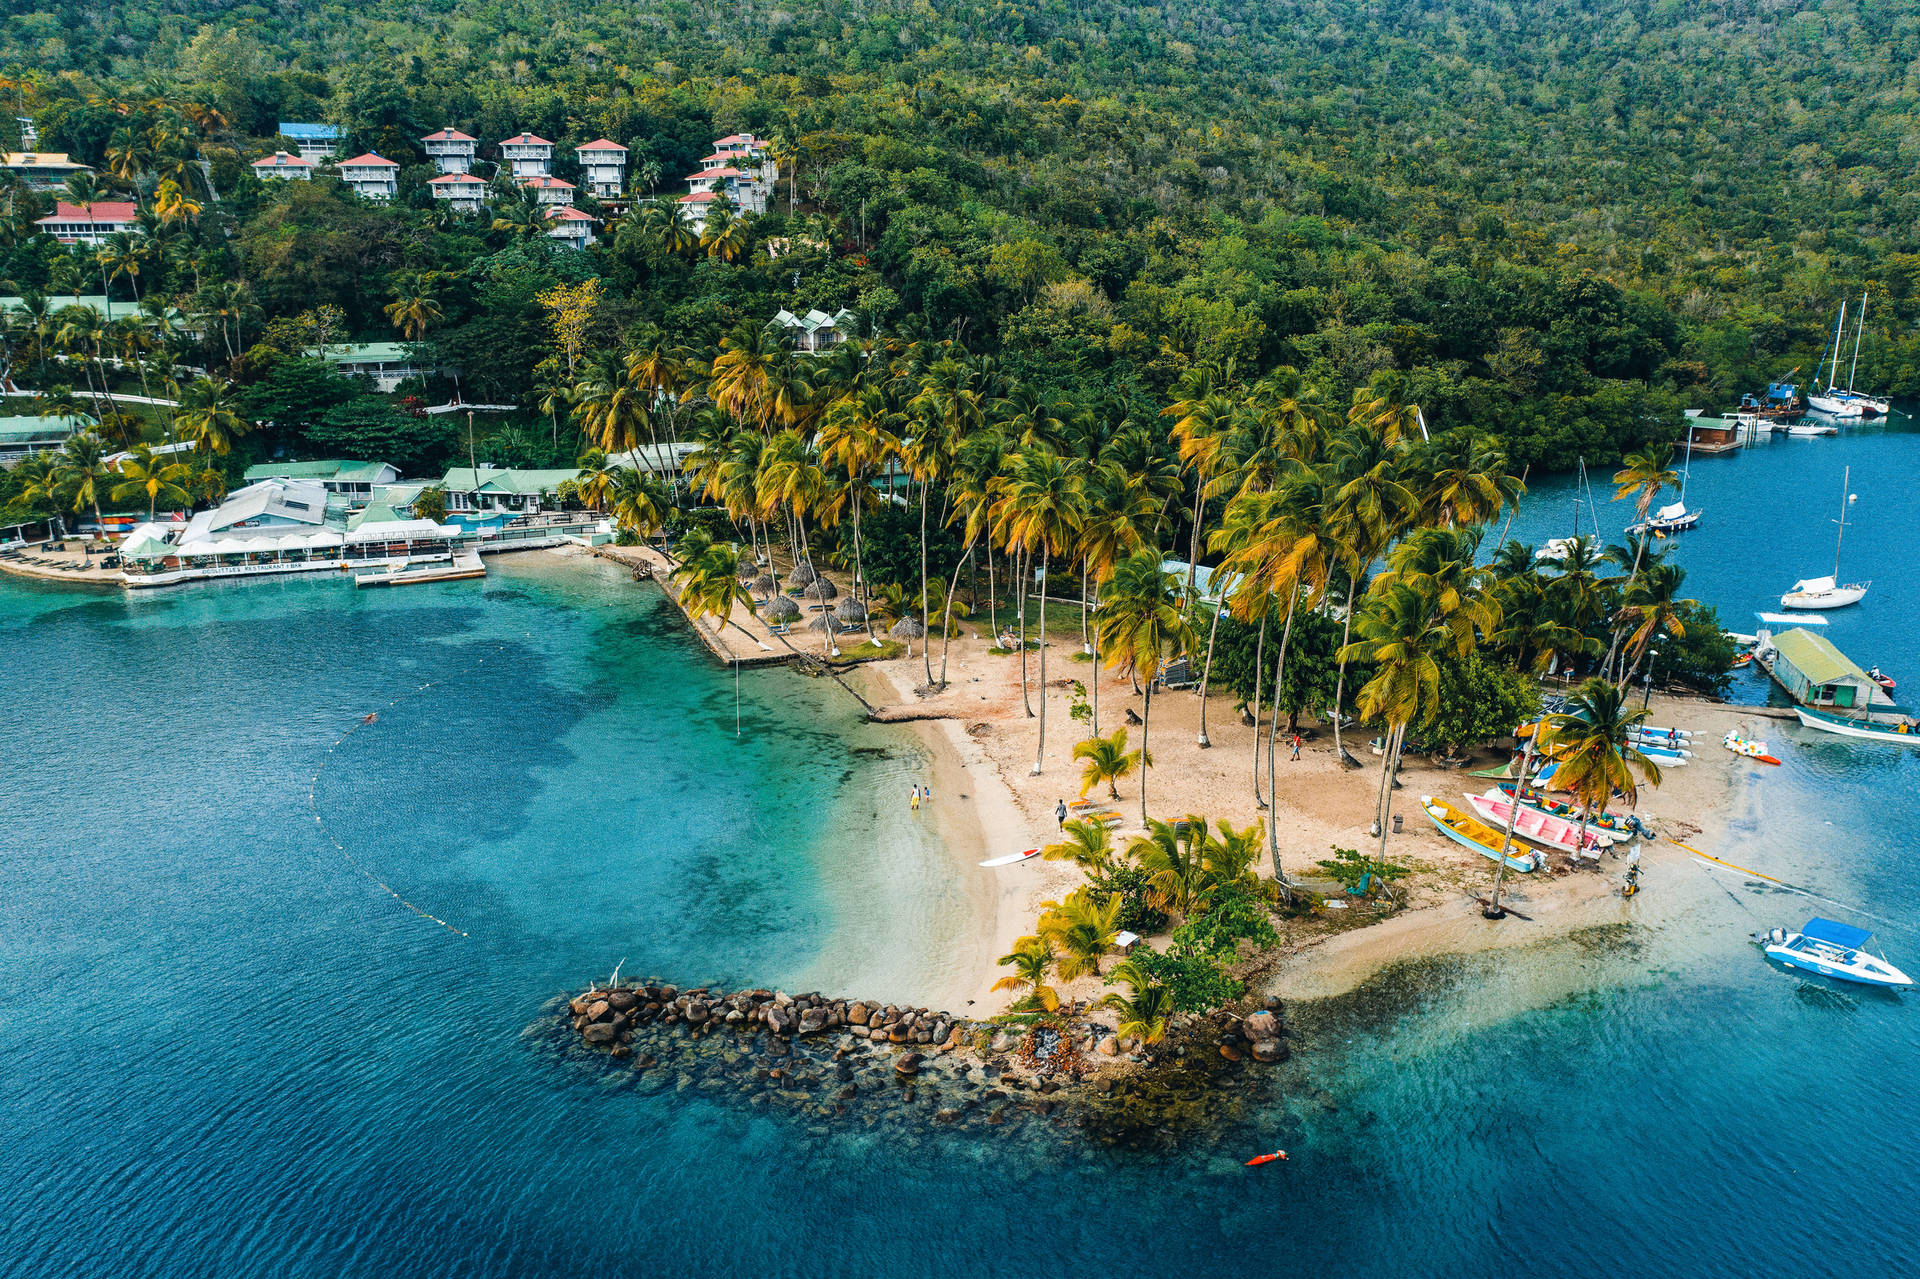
[[1559, 223]]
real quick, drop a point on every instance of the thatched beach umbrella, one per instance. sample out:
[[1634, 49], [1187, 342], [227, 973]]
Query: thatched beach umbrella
[[802, 574], [824, 622], [851, 611], [781, 609], [907, 628], [747, 570], [763, 584], [821, 589]]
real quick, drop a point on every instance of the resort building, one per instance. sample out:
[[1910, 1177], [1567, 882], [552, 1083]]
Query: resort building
[[603, 166], [20, 436], [1815, 673], [570, 227], [354, 481], [494, 489], [41, 170], [373, 177], [527, 156], [90, 223], [312, 141], [816, 331], [738, 169], [549, 190], [387, 363], [285, 167], [450, 150], [464, 191]]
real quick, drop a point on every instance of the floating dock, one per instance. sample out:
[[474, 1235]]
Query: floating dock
[[465, 564]]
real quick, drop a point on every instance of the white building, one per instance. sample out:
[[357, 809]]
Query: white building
[[42, 170], [372, 176], [603, 166], [570, 226], [816, 331], [451, 150], [552, 191], [284, 167], [738, 169], [527, 156], [464, 191], [313, 141], [89, 223]]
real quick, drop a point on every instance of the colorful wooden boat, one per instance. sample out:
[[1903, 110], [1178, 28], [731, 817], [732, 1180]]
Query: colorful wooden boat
[[1559, 834], [1616, 823], [1470, 832]]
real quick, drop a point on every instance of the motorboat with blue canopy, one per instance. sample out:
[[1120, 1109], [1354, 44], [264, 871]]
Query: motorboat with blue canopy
[[1833, 949]]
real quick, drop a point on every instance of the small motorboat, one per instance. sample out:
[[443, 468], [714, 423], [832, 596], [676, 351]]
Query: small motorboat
[[1804, 429], [1748, 747], [1824, 592], [1884, 681], [1742, 661], [1471, 833], [1550, 832], [1011, 858], [1833, 950], [1671, 518], [1903, 731]]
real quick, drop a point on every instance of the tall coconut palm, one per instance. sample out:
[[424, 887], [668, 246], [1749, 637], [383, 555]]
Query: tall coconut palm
[[1462, 479], [1088, 845], [724, 234], [1370, 507], [82, 472], [414, 307], [210, 415], [1592, 740], [1137, 622], [639, 501], [1203, 415], [120, 258], [1042, 508], [972, 487], [1400, 635], [613, 411], [1145, 1010], [855, 438], [153, 477], [953, 402], [1652, 607], [1642, 477], [1108, 760]]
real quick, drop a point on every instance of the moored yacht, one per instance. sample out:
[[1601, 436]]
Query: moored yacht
[[1833, 950]]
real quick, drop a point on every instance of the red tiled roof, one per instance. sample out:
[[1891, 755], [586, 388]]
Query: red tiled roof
[[449, 135], [739, 138], [526, 140], [98, 211], [699, 197], [601, 145], [456, 179], [282, 160], [545, 182], [567, 213], [727, 171], [369, 160]]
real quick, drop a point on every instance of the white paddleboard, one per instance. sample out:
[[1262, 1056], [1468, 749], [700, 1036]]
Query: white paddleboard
[[1011, 858]]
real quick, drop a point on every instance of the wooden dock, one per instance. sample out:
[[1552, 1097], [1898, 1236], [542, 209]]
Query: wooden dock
[[467, 564]]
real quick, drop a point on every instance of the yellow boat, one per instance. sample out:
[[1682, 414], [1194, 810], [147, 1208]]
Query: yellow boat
[[1465, 829]]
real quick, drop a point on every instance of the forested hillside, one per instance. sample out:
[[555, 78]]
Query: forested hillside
[[1558, 222]]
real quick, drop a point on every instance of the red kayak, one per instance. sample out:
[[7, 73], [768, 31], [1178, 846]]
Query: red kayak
[[1257, 1160]]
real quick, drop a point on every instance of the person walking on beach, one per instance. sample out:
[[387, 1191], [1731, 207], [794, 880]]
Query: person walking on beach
[[1060, 814], [1296, 746], [913, 797]]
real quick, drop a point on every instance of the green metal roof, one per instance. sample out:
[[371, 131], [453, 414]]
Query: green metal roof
[[376, 513], [462, 479], [370, 353], [28, 428], [341, 472], [1815, 657]]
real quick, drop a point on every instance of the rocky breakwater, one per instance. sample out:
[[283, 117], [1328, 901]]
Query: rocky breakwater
[[865, 1064]]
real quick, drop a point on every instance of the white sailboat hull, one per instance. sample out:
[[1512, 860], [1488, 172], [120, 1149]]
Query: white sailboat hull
[[1836, 597], [1834, 406]]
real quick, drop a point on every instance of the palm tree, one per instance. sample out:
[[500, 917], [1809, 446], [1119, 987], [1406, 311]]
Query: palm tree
[[1042, 507], [120, 258], [613, 410], [173, 205], [1083, 927], [1591, 739], [1652, 608], [82, 471], [1030, 960], [639, 501], [854, 437], [1137, 622], [1174, 859], [724, 234], [1230, 856], [1642, 477], [154, 477], [1088, 845], [1404, 640], [711, 586], [1463, 480], [951, 404], [1108, 760], [209, 415], [413, 307], [1370, 507], [520, 215], [1144, 1010]]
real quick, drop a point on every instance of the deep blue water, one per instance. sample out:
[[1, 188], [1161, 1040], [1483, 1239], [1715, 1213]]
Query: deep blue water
[[224, 1051]]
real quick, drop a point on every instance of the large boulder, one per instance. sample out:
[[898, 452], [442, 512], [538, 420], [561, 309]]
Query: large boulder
[[779, 1020], [1269, 1050], [909, 1064], [1261, 1026], [599, 1010], [857, 1014], [600, 1032], [813, 1021], [1109, 1047], [697, 1011], [622, 1000]]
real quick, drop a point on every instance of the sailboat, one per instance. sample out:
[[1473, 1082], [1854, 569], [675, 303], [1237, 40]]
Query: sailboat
[[1674, 517], [1826, 592], [1833, 401], [1556, 548], [1870, 406]]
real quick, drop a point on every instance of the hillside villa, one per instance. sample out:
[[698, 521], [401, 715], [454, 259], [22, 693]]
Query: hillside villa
[[90, 223]]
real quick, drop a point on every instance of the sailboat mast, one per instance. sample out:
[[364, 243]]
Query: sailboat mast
[[1576, 499], [1853, 371], [1846, 479], [1839, 331]]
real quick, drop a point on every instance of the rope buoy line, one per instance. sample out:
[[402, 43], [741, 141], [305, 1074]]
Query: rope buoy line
[[1781, 883], [313, 803]]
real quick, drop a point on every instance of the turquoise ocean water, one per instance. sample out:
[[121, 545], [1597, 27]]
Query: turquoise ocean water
[[224, 1050]]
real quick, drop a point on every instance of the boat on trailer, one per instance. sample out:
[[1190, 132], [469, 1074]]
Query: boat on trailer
[[1536, 827], [1834, 950], [1469, 832], [1903, 731]]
